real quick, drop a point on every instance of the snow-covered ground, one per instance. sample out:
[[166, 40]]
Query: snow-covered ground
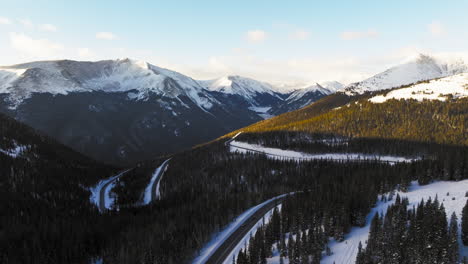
[[346, 251], [14, 152], [96, 190], [221, 236], [242, 147], [157, 174], [456, 86]]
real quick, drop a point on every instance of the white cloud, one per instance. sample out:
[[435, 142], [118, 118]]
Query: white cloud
[[256, 36], [5, 21], [48, 27], [353, 35], [436, 29], [28, 46], [299, 35], [26, 22], [106, 35]]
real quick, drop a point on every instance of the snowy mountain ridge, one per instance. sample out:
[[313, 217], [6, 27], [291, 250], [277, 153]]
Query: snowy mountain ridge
[[422, 68], [122, 75]]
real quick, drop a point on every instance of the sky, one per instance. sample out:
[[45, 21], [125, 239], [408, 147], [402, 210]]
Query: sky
[[282, 42]]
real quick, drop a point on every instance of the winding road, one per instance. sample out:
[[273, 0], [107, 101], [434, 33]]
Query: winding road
[[152, 190], [102, 189]]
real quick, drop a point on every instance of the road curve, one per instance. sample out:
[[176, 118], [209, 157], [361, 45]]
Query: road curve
[[102, 191], [224, 250], [155, 183]]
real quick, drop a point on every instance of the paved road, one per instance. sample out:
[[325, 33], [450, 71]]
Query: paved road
[[154, 187], [349, 159], [102, 191], [225, 249]]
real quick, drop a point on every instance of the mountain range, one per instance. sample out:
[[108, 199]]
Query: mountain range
[[125, 111]]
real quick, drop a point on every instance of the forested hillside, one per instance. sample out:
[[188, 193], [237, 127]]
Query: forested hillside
[[444, 122]]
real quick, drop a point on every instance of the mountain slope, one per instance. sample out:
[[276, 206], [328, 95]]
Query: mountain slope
[[436, 121], [419, 69]]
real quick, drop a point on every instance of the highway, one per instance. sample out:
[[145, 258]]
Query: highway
[[225, 249]]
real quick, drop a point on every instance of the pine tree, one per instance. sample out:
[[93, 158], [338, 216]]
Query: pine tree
[[452, 239], [464, 224]]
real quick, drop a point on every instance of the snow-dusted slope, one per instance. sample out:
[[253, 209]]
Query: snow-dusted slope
[[238, 85], [332, 86], [455, 86], [300, 93], [451, 194], [123, 75], [420, 69], [242, 86]]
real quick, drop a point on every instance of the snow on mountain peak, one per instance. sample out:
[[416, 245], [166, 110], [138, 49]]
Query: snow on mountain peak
[[242, 86], [332, 86], [235, 84], [421, 68], [121, 75]]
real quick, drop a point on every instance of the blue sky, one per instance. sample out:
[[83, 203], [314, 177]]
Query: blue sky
[[277, 41]]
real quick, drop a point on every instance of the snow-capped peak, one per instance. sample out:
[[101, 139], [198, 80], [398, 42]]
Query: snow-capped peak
[[242, 86], [315, 88], [332, 86], [420, 68], [121, 75], [235, 84]]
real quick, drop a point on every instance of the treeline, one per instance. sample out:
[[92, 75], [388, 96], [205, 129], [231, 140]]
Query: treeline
[[411, 235]]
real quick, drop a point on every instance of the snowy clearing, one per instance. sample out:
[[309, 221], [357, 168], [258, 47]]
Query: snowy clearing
[[14, 152], [157, 176], [242, 147], [221, 236], [345, 252], [439, 89]]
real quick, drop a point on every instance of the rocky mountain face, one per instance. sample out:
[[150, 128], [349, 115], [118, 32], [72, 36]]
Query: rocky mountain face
[[124, 110]]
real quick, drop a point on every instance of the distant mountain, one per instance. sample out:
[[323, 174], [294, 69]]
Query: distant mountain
[[125, 111], [305, 96], [259, 97], [421, 68]]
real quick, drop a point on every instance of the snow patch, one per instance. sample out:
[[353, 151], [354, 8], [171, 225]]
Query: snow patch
[[16, 151]]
